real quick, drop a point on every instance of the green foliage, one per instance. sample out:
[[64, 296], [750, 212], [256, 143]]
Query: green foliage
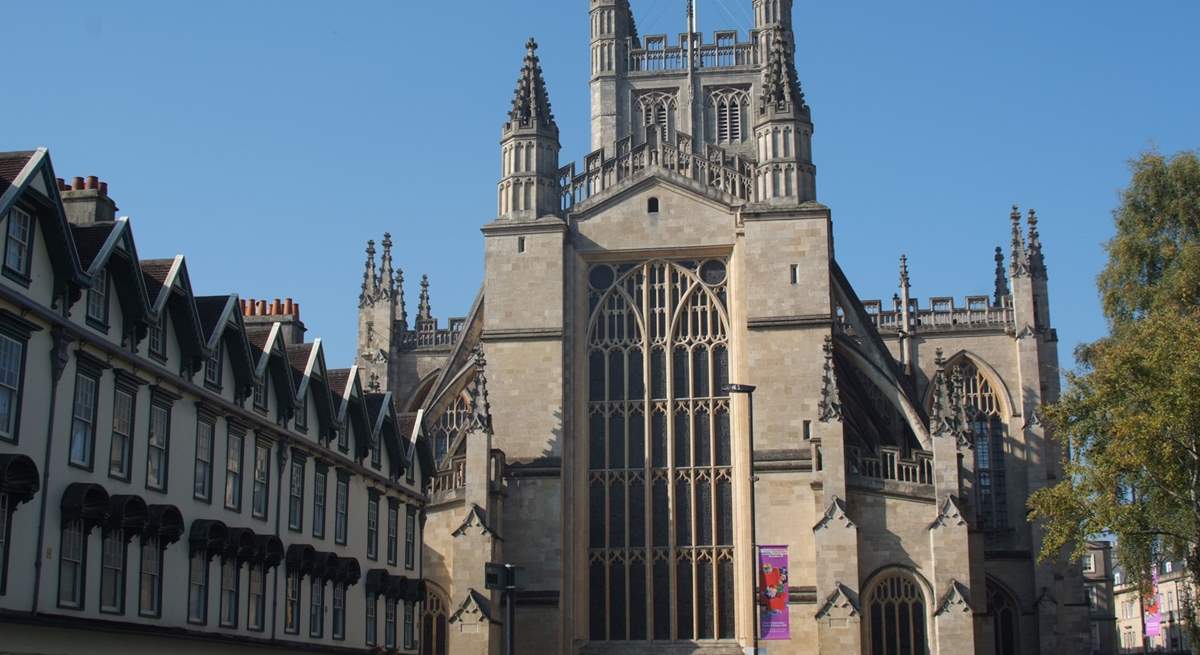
[[1154, 259], [1130, 417]]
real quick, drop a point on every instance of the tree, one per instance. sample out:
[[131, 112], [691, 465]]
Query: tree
[[1130, 416]]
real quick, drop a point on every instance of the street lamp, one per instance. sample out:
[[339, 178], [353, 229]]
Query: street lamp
[[748, 390], [505, 578]]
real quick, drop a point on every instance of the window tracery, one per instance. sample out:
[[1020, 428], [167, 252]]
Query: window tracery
[[453, 422], [657, 109], [1005, 620], [989, 430], [727, 114], [433, 625], [896, 615], [660, 491]]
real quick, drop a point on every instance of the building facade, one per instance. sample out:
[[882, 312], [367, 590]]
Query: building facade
[[1097, 567], [179, 472], [1172, 599], [586, 424]]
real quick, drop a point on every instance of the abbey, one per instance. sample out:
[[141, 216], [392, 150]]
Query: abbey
[[670, 408]]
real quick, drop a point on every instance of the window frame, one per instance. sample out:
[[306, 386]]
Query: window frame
[[371, 615], [92, 375], [203, 585], [126, 473], [118, 585], [320, 504], [156, 347], [316, 608], [224, 612], [291, 601], [12, 434], [409, 625], [261, 447], [296, 493], [151, 544], [210, 422], [95, 295], [389, 623], [410, 537], [338, 605], [166, 408], [300, 420], [238, 477], [372, 525], [79, 602], [393, 532], [341, 510], [23, 275], [259, 397], [259, 623], [214, 366]]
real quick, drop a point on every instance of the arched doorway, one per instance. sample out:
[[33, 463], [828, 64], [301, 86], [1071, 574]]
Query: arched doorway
[[433, 625], [1006, 620], [896, 615]]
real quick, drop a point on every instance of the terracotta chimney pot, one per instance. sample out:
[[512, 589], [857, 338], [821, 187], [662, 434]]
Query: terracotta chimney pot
[[77, 184], [93, 182]]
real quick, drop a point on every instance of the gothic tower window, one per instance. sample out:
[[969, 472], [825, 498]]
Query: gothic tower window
[[1005, 620], [445, 432], [433, 625], [987, 423], [660, 490], [896, 617], [727, 109], [657, 110]]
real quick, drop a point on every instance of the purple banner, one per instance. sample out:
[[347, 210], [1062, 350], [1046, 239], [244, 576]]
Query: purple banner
[[1153, 611], [773, 593]]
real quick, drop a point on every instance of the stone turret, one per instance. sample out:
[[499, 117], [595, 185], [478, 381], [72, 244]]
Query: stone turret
[[610, 31], [783, 128], [529, 148], [378, 303]]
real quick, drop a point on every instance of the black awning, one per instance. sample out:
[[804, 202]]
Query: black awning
[[300, 558], [209, 536], [411, 590], [376, 581], [241, 545], [325, 566], [395, 587], [87, 502], [19, 478], [268, 550], [164, 522], [127, 513], [348, 571]]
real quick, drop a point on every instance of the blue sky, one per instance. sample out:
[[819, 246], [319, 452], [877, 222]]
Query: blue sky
[[269, 140]]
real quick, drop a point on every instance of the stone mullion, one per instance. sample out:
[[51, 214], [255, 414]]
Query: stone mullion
[[669, 373], [647, 455]]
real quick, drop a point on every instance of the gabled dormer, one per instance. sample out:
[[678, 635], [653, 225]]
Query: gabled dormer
[[275, 390], [228, 367], [116, 302], [385, 432], [175, 338], [315, 414], [38, 252], [355, 437]]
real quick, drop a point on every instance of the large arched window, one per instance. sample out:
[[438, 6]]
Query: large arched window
[[1005, 620], [987, 425], [896, 614], [452, 423], [660, 480], [727, 109], [433, 625]]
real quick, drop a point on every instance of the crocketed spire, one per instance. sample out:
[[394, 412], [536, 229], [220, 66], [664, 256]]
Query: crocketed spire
[[781, 84], [829, 407], [1001, 278], [386, 280], [402, 311], [370, 283], [424, 313], [1037, 262], [531, 102], [1018, 261], [481, 407]]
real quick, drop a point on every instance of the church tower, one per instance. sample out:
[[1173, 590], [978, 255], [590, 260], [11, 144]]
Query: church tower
[[529, 148], [783, 128], [379, 304], [611, 30]]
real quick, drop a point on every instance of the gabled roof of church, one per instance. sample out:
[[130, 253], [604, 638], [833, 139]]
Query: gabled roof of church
[[531, 101]]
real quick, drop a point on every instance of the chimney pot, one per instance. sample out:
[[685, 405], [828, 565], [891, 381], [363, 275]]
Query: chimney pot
[[296, 311], [93, 182], [276, 308], [288, 306], [77, 184], [104, 189], [261, 307]]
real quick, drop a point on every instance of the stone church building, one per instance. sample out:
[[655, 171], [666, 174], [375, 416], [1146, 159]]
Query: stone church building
[[584, 426]]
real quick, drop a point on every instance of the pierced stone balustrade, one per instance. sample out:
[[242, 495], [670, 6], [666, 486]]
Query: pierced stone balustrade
[[659, 55], [891, 465], [944, 316]]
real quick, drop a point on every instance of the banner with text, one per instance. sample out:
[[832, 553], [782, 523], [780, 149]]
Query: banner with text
[[773, 593], [1153, 611]]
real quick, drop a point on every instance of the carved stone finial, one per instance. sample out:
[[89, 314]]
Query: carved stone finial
[[1018, 266], [424, 313], [1001, 278], [370, 284], [904, 281], [829, 407], [941, 422], [1037, 262], [481, 408], [781, 85], [401, 309], [531, 102], [386, 279]]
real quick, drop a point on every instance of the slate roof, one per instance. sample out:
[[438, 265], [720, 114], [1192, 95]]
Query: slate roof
[[210, 308], [338, 378], [375, 404], [298, 358], [155, 272], [89, 239], [11, 165], [404, 425], [258, 335]]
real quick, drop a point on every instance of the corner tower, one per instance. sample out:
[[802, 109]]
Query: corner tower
[[783, 127], [529, 148], [610, 33]]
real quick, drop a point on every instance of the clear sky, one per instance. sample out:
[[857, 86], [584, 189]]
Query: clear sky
[[268, 140]]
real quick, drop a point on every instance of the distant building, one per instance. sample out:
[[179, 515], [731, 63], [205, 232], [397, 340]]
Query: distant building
[[183, 473], [1175, 595], [1097, 567]]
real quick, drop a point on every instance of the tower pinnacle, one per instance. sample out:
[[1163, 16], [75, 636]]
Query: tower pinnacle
[[531, 102]]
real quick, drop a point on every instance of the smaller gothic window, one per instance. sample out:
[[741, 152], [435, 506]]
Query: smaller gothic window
[[896, 611], [652, 206]]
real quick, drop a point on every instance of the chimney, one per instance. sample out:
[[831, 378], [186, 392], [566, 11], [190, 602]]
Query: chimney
[[262, 312], [86, 201]]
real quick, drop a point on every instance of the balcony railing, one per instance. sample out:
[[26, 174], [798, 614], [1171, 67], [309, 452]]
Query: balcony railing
[[659, 55], [428, 335], [891, 465], [943, 315]]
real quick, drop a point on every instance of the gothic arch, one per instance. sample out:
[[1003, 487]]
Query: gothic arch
[[892, 391], [434, 613], [417, 399], [988, 371], [1005, 614], [897, 607]]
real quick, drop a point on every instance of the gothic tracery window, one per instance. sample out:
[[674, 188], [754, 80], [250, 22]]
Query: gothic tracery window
[[727, 113], [657, 110], [433, 625], [660, 490], [445, 432], [1005, 620], [987, 424], [896, 611]]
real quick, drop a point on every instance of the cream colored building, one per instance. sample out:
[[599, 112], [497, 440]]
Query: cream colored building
[[894, 443], [182, 473], [1175, 596]]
